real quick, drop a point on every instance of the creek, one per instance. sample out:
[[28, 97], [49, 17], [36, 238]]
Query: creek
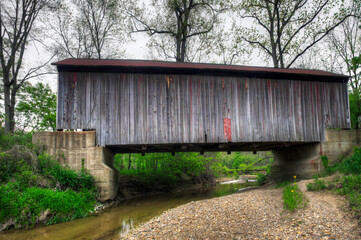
[[116, 222]]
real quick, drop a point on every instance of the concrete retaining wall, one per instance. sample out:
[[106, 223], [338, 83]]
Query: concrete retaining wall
[[339, 142], [305, 160], [77, 146]]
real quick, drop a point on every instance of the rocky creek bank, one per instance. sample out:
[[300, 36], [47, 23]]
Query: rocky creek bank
[[256, 214]]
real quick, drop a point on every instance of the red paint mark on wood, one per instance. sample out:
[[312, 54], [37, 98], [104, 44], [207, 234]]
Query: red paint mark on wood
[[227, 129], [269, 87], [74, 77]]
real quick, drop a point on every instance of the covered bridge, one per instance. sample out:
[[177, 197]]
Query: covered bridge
[[129, 106], [153, 106]]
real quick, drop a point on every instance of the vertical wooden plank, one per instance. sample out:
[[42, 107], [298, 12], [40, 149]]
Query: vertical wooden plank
[[60, 101], [159, 113]]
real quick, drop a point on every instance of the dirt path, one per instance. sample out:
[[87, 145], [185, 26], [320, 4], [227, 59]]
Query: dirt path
[[256, 214]]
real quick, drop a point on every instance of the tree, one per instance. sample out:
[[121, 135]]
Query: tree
[[285, 29], [345, 42], [17, 18], [37, 106], [88, 28], [180, 29]]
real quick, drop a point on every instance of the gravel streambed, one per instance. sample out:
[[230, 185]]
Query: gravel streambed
[[256, 214]]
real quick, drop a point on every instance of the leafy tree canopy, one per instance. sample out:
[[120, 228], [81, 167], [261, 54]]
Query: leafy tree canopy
[[37, 107], [180, 29], [285, 29]]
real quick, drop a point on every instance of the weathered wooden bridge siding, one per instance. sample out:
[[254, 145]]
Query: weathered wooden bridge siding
[[155, 109]]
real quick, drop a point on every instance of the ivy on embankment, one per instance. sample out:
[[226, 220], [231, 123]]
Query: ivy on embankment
[[35, 188]]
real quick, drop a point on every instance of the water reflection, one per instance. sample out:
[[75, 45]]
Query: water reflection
[[117, 222]]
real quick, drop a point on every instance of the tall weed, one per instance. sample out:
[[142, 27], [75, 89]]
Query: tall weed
[[292, 197]]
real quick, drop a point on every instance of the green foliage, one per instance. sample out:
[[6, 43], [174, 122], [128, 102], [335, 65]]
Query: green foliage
[[355, 109], [352, 164], [149, 178], [32, 184], [292, 197], [176, 23], [282, 184], [24, 207], [317, 185], [169, 170], [300, 24], [37, 106], [325, 162], [242, 161], [349, 185], [262, 178], [165, 168], [64, 177], [8, 141]]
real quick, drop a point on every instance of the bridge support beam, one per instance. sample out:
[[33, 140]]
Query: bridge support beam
[[304, 161], [77, 147]]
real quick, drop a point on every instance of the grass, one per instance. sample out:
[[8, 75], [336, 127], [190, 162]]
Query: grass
[[282, 184], [348, 185], [292, 197], [318, 185], [35, 188]]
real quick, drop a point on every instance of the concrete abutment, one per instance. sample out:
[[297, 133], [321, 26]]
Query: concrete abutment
[[77, 147], [304, 161]]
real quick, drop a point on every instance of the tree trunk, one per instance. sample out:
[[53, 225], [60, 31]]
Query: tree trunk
[[9, 105], [122, 163], [155, 165], [183, 49], [130, 161], [178, 53]]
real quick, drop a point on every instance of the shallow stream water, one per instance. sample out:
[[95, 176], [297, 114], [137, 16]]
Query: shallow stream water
[[116, 222]]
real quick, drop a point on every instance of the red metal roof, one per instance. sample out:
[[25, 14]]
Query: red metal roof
[[76, 62]]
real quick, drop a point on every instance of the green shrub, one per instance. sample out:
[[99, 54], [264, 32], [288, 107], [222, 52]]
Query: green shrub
[[317, 185], [64, 177], [24, 207], [292, 197], [28, 189], [350, 184], [8, 167], [162, 177], [8, 141], [282, 184], [352, 164], [261, 178], [351, 188], [325, 162]]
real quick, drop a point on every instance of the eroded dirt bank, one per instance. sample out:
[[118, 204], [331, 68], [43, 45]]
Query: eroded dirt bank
[[256, 214]]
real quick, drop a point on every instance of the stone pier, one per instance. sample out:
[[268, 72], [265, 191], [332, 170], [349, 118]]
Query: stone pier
[[304, 161], [75, 147]]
